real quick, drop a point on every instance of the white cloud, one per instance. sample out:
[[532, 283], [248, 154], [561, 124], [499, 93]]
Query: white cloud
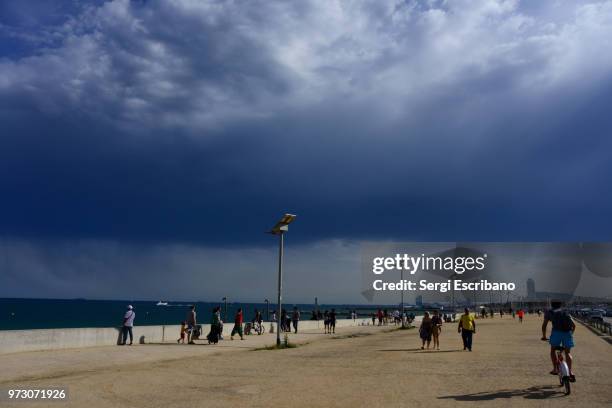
[[199, 64]]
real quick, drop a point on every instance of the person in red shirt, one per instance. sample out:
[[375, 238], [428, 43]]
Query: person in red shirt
[[520, 315], [237, 325]]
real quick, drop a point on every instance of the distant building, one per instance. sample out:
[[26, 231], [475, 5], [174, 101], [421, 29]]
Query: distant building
[[534, 296], [419, 300], [531, 292]]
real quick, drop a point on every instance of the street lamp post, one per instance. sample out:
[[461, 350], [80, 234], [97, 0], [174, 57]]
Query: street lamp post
[[267, 309], [225, 309], [279, 229], [403, 308]]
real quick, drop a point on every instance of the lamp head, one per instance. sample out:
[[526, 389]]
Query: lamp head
[[282, 225]]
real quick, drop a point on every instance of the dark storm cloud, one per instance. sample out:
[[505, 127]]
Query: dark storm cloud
[[111, 270], [85, 181], [158, 123]]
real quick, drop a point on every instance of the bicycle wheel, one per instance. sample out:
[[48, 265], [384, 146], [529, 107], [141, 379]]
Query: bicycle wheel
[[566, 383]]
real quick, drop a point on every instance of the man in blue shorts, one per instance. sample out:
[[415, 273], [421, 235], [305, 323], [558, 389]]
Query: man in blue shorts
[[561, 335]]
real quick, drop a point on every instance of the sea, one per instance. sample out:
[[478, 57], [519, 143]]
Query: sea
[[24, 314]]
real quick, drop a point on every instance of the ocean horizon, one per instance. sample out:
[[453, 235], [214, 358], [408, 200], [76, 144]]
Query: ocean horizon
[[33, 313]]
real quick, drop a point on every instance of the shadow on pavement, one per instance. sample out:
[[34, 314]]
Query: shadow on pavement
[[222, 344], [537, 392], [419, 350]]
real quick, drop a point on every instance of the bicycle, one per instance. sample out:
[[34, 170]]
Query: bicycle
[[562, 369], [254, 327], [259, 328]]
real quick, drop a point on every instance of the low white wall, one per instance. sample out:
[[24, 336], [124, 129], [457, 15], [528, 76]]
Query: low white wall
[[12, 341]]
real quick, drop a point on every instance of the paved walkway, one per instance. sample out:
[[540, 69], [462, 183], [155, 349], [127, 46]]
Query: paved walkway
[[358, 367], [56, 363]]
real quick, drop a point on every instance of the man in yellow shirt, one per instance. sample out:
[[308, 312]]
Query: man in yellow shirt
[[467, 327]]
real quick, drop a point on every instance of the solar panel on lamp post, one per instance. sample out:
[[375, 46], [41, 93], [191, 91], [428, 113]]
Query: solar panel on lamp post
[[279, 229]]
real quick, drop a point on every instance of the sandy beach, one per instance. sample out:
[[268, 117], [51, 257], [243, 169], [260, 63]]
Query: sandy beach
[[360, 366]]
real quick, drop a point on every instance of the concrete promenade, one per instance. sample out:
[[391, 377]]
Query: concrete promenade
[[359, 366], [12, 341]]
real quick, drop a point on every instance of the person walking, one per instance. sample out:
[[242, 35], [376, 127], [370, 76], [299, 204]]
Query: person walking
[[285, 324], [182, 332], [191, 324], [255, 322], [425, 330], [467, 328], [332, 321], [215, 323], [237, 325], [295, 318], [259, 321], [128, 324], [521, 314], [272, 321], [436, 321]]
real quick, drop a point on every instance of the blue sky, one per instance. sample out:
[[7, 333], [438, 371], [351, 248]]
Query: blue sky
[[174, 132]]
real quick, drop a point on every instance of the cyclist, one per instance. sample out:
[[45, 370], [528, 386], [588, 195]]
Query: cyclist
[[561, 335]]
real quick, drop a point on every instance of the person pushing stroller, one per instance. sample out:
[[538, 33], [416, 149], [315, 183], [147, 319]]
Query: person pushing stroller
[[215, 326]]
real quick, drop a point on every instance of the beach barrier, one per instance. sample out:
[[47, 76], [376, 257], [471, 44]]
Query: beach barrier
[[603, 327], [14, 341]]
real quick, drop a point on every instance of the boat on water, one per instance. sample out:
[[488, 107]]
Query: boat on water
[[160, 303]]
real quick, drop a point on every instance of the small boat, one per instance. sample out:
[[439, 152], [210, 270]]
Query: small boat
[[160, 303]]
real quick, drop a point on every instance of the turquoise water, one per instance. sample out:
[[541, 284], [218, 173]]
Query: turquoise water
[[19, 314]]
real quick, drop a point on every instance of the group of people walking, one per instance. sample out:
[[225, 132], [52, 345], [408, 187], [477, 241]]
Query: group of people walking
[[190, 330], [329, 321], [287, 320], [431, 328], [520, 313], [384, 317]]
